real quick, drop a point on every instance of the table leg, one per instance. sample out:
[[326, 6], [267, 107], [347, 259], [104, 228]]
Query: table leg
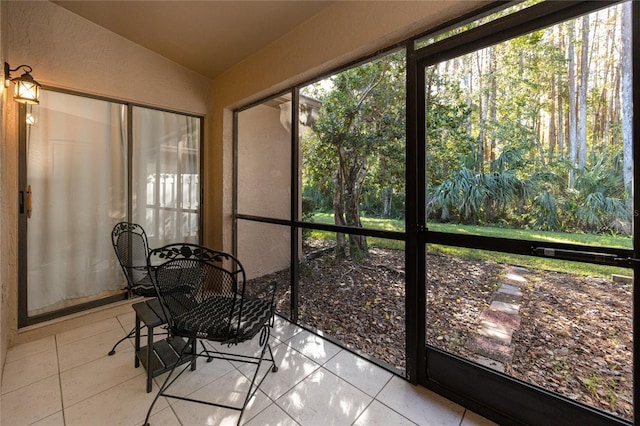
[[137, 342], [149, 356]]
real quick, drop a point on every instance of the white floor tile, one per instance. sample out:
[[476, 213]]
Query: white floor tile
[[378, 414], [124, 404], [324, 399], [96, 389], [283, 330], [191, 381], [313, 346], [56, 419], [32, 403], [94, 377], [165, 417], [88, 330], [473, 419], [128, 320], [90, 349], [271, 416], [31, 348], [293, 367], [361, 373], [230, 390], [419, 404], [29, 369]]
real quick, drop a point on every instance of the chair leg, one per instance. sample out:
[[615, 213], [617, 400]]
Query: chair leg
[[194, 354], [131, 334], [209, 358], [128, 336], [275, 367], [252, 391]]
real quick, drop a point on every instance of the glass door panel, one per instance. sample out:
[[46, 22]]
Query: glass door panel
[[76, 169], [166, 175], [75, 182]]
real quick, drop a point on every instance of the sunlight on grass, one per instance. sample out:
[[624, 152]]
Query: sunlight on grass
[[394, 225], [528, 234], [530, 262]]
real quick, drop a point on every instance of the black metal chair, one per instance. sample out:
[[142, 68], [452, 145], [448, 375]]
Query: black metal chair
[[206, 297], [132, 250]]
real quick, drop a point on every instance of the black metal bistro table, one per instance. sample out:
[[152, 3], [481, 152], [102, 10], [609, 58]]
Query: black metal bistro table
[[162, 354]]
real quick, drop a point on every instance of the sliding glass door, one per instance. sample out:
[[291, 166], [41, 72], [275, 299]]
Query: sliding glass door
[[87, 164], [76, 173]]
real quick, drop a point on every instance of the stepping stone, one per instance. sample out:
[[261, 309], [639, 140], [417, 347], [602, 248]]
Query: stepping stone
[[488, 362], [496, 331], [508, 308], [507, 298], [507, 320], [510, 290], [490, 348], [622, 279], [520, 270], [515, 279]]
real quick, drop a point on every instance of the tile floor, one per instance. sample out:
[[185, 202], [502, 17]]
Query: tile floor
[[68, 379]]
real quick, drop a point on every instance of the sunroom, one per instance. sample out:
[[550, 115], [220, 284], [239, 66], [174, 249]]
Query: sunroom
[[441, 189]]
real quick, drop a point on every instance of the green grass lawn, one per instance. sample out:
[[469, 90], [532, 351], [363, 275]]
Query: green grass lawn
[[524, 234]]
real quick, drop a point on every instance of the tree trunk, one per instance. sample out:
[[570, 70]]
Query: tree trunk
[[493, 110], [483, 101], [552, 118], [571, 104], [627, 97], [582, 95], [338, 212], [560, 113], [354, 180]]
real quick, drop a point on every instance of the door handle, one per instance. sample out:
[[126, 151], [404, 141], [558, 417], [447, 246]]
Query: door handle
[[28, 201], [578, 255]]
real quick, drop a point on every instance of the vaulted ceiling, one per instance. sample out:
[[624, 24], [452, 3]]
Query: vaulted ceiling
[[205, 36]]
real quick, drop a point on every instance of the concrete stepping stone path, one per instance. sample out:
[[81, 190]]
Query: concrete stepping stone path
[[498, 322]]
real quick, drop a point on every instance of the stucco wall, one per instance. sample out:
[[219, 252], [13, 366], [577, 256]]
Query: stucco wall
[[69, 52], [264, 189], [337, 35]]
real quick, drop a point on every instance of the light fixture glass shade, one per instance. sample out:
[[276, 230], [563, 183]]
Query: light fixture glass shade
[[26, 89]]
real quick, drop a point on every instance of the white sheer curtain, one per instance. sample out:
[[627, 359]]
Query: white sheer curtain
[[166, 157], [77, 169], [76, 166]]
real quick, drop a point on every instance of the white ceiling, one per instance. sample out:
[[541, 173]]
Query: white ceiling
[[205, 36]]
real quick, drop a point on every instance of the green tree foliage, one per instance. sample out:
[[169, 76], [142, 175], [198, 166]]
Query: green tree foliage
[[357, 144], [525, 133], [499, 125]]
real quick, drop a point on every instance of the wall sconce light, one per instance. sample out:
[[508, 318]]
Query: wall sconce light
[[26, 90]]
